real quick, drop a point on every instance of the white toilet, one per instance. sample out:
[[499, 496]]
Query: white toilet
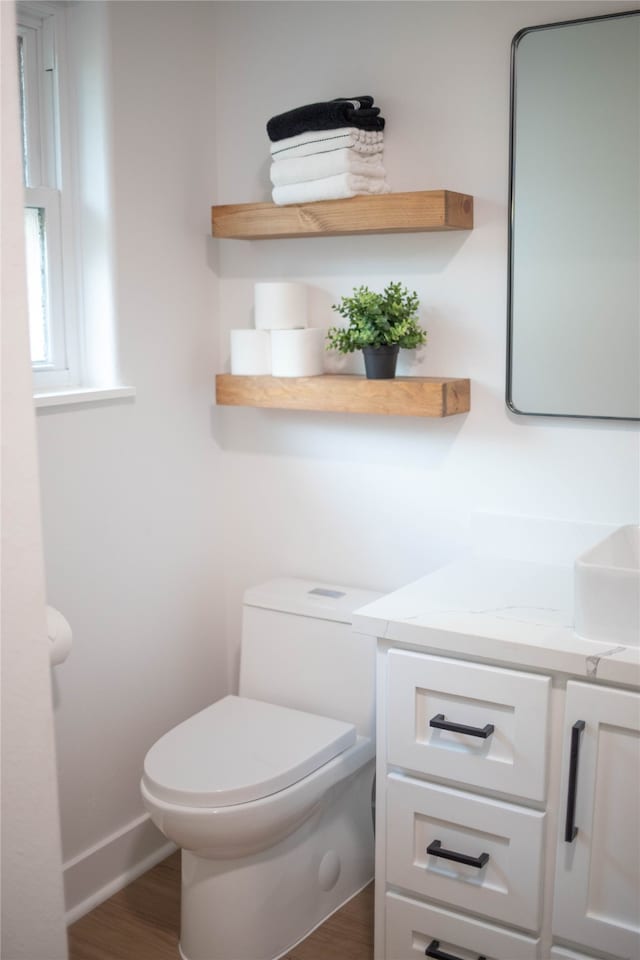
[[269, 793]]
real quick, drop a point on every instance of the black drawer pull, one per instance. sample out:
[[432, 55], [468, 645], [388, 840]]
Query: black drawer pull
[[433, 950], [437, 850], [442, 724], [570, 829]]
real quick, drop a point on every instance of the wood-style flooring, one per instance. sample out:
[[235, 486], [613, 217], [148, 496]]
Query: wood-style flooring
[[142, 922]]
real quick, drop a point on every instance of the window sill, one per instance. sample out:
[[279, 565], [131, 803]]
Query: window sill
[[85, 395]]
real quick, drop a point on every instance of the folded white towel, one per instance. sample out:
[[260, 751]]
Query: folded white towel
[[321, 141], [320, 165], [329, 188]]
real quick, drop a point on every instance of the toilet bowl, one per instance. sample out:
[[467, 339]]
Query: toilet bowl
[[244, 802], [271, 801]]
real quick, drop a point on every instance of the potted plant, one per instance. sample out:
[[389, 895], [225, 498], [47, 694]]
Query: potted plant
[[379, 324]]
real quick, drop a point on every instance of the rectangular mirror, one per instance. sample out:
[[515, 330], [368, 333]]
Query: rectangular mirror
[[574, 238]]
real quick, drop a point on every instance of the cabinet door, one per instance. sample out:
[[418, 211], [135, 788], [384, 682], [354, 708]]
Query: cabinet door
[[597, 894]]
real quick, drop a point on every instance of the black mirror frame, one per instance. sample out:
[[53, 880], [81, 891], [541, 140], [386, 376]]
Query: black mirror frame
[[512, 176]]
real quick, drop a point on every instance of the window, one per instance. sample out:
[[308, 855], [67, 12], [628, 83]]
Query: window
[[47, 205]]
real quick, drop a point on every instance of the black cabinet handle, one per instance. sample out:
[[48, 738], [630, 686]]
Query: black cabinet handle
[[437, 850], [570, 829], [442, 724], [433, 950]]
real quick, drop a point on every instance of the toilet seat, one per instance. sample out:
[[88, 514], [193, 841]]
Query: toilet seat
[[238, 750]]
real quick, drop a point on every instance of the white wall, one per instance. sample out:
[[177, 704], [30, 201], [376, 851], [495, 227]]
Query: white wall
[[32, 903], [131, 490], [378, 501]]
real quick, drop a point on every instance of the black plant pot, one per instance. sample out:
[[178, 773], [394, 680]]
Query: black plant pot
[[380, 362]]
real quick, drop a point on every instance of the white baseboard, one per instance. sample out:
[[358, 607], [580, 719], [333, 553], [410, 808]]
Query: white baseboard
[[99, 872]]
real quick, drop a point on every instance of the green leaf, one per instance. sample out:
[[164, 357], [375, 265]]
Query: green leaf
[[378, 319]]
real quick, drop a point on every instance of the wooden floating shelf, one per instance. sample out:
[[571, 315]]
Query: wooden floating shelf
[[416, 212], [403, 396]]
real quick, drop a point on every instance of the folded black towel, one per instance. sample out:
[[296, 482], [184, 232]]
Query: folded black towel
[[327, 115], [363, 101]]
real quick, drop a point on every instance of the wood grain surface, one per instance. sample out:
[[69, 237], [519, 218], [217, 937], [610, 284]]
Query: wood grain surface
[[142, 922], [402, 396], [419, 211]]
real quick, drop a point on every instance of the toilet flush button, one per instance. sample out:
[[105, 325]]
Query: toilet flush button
[[329, 870]]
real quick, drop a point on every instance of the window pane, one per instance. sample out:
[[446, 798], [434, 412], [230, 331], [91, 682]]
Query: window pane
[[23, 111], [34, 225]]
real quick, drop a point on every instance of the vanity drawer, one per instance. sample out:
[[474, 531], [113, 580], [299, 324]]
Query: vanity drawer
[[502, 844], [507, 711], [412, 928]]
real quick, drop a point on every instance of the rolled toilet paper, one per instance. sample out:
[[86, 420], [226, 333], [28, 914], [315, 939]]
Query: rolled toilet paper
[[297, 353], [250, 352], [280, 306]]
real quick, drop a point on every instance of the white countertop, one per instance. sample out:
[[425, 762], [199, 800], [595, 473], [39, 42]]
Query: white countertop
[[507, 611]]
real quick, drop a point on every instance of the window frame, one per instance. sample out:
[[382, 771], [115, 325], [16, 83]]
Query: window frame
[[48, 175]]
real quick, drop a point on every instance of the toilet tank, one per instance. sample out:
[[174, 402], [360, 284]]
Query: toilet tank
[[298, 650]]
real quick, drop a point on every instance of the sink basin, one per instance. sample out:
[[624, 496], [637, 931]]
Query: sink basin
[[607, 589]]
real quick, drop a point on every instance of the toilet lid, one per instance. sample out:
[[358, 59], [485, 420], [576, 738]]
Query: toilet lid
[[239, 750]]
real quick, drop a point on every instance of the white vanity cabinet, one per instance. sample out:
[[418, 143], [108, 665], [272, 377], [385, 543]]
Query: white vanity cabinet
[[597, 887], [508, 823]]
